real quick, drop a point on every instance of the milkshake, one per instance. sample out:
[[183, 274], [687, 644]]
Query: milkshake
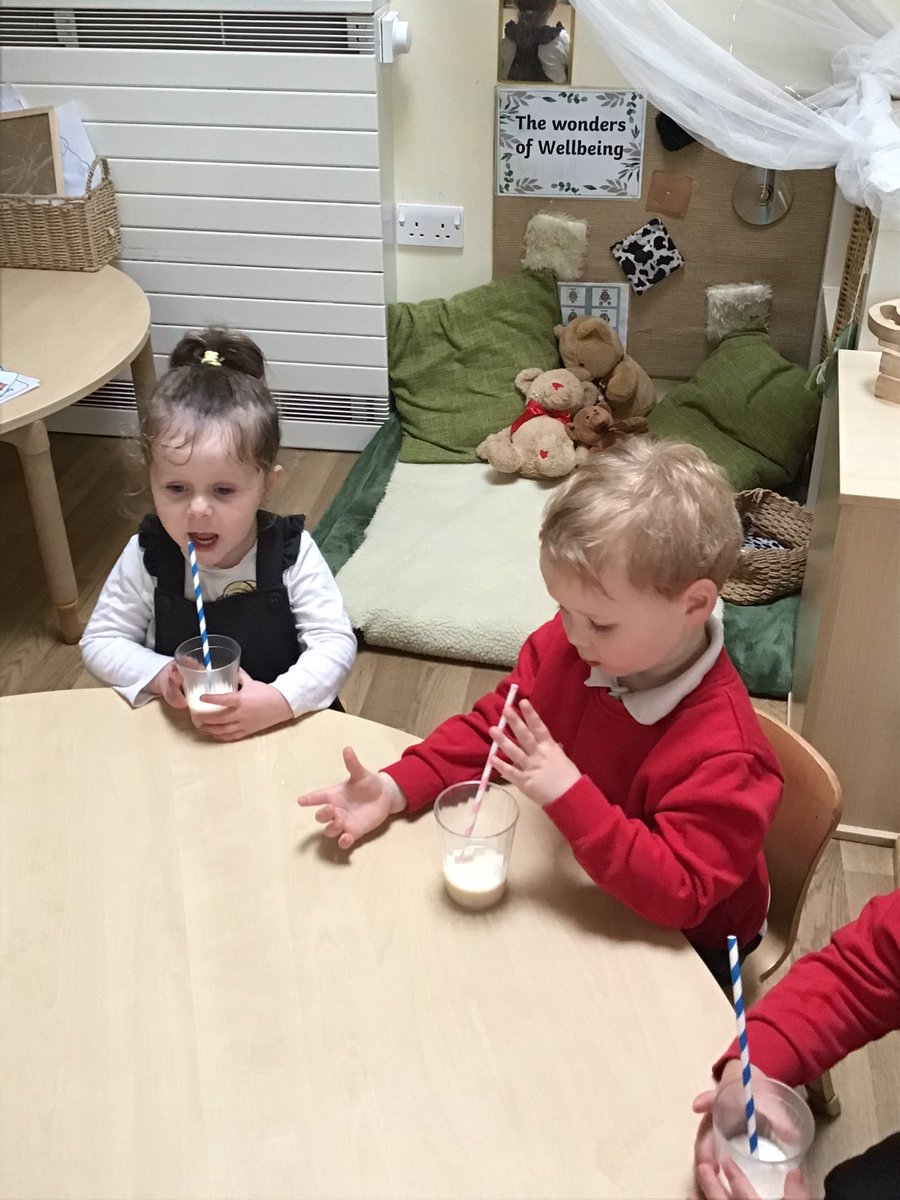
[[785, 1132], [216, 688], [476, 834], [766, 1171], [475, 878], [217, 679]]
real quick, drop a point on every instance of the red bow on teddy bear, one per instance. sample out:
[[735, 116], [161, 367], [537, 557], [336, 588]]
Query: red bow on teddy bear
[[534, 409]]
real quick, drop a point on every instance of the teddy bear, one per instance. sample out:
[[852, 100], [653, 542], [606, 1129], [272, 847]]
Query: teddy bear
[[591, 349], [536, 444], [597, 429]]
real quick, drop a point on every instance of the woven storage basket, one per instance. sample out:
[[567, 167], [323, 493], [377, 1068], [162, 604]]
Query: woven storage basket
[[762, 575], [62, 233]]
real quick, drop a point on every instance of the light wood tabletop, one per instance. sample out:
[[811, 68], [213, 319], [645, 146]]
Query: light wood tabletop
[[72, 330], [201, 997]]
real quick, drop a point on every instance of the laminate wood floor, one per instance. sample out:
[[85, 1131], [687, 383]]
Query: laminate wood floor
[[98, 482]]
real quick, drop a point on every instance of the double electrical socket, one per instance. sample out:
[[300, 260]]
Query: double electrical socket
[[429, 225]]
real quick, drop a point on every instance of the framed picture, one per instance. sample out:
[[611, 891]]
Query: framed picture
[[535, 41], [30, 159]]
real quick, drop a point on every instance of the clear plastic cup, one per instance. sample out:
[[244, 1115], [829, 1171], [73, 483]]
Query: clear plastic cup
[[475, 850], [199, 680], [784, 1125]]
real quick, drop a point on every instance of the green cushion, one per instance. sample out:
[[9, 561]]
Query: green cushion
[[759, 639], [453, 363], [748, 408], [341, 531]]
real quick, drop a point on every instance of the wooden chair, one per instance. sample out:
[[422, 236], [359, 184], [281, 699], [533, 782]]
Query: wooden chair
[[806, 819]]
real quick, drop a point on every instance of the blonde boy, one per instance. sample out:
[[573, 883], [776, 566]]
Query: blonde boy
[[634, 731]]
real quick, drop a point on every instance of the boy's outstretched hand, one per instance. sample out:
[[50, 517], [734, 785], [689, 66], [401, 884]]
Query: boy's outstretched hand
[[355, 807], [536, 764]]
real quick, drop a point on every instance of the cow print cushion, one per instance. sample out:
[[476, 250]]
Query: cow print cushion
[[647, 256]]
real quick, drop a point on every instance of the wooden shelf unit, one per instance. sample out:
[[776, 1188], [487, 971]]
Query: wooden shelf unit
[[846, 697]]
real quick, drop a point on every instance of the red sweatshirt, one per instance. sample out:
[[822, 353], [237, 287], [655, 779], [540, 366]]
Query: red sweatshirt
[[669, 818], [830, 1002]]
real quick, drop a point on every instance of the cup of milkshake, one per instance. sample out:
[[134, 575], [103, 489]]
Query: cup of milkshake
[[475, 843], [785, 1129], [219, 677]]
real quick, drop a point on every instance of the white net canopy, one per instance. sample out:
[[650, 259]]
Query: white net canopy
[[841, 115]]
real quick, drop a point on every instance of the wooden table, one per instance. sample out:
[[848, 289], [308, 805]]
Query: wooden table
[[201, 997], [846, 694], [73, 330]]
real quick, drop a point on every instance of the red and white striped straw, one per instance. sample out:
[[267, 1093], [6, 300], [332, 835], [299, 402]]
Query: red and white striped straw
[[488, 766]]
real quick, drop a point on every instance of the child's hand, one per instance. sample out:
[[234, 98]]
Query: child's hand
[[537, 765], [167, 685], [256, 706], [740, 1187], [706, 1159], [705, 1142], [358, 805]]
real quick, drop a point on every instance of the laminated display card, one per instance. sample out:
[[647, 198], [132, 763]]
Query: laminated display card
[[561, 142]]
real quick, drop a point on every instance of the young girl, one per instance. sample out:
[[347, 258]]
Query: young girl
[[532, 49], [209, 439]]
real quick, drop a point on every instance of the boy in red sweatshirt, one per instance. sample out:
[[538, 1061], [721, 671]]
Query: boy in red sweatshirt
[[634, 731], [829, 1004]]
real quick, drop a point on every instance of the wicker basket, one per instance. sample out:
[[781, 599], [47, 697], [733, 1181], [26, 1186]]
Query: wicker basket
[[62, 233], [762, 575]]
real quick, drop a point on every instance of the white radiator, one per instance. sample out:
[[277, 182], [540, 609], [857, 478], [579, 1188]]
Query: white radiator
[[251, 155]]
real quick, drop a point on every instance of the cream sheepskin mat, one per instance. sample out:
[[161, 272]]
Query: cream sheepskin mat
[[449, 565]]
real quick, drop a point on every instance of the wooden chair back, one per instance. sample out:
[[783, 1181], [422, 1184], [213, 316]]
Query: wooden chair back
[[808, 815]]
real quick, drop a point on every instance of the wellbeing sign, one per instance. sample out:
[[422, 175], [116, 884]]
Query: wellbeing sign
[[559, 142]]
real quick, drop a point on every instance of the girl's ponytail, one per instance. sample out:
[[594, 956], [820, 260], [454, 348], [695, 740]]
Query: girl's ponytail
[[220, 347]]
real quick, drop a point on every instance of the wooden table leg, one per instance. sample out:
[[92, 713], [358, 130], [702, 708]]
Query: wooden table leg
[[143, 371], [33, 446]]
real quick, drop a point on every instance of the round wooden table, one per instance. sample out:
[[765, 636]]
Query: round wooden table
[[72, 330], [202, 997]]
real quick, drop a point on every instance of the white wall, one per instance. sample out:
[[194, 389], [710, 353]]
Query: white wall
[[443, 121], [444, 116]]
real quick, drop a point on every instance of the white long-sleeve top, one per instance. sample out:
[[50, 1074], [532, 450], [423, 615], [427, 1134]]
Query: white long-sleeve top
[[117, 646]]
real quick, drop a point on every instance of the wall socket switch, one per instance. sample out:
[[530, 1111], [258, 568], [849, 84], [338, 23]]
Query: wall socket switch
[[429, 225]]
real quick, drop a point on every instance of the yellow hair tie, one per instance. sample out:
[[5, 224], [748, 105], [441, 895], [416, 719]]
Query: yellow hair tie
[[211, 358]]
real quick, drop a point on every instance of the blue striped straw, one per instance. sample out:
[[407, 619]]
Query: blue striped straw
[[198, 596], [738, 992]]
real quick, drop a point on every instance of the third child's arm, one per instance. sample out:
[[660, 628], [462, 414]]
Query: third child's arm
[[831, 1002]]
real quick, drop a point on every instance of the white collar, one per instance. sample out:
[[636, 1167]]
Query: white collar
[[652, 705]]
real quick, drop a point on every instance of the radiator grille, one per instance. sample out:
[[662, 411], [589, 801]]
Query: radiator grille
[[152, 29], [118, 396]]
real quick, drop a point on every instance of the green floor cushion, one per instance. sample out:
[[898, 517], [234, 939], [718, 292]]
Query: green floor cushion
[[343, 526], [759, 639], [453, 363], [748, 408]]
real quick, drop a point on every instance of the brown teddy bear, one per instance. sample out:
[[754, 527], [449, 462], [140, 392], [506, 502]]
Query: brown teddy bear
[[536, 445], [591, 349], [596, 428]]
